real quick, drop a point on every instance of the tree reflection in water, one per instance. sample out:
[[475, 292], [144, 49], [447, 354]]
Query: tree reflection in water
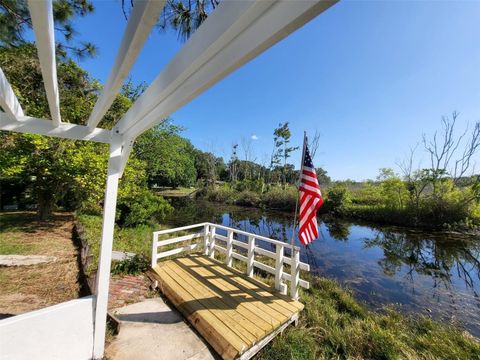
[[434, 255]]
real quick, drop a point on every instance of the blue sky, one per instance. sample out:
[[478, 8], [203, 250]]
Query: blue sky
[[371, 77]]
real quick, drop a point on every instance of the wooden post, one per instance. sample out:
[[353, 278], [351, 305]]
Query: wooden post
[[103, 275], [212, 242], [229, 248], [279, 285], [251, 255], [295, 274], [154, 249], [205, 238]]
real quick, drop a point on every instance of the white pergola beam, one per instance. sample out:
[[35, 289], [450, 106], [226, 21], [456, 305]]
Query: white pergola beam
[[30, 125], [8, 99], [41, 12], [234, 34], [144, 16]]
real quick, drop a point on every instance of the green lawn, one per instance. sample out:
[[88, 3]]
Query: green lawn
[[177, 192]]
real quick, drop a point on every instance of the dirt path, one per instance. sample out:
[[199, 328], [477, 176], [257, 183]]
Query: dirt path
[[27, 288]]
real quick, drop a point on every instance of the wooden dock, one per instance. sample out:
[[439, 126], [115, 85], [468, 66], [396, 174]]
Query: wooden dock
[[235, 314]]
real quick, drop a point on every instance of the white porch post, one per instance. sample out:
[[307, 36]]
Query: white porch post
[[103, 275]]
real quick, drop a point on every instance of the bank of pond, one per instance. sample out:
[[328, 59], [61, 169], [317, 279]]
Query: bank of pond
[[378, 292]]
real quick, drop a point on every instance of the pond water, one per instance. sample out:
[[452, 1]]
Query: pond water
[[435, 274]]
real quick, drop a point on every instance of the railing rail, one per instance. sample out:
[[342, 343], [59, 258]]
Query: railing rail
[[234, 248]]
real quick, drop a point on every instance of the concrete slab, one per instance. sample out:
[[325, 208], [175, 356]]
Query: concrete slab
[[25, 260], [152, 330], [122, 255]]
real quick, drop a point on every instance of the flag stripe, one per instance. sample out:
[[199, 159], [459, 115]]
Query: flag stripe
[[310, 200]]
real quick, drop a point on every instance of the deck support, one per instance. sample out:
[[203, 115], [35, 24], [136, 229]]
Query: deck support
[[295, 268], [103, 275], [211, 237]]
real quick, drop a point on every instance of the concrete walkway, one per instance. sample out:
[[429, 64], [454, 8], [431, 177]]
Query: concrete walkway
[[25, 260], [152, 330]]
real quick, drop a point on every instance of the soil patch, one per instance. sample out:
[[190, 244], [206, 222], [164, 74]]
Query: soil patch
[[32, 287]]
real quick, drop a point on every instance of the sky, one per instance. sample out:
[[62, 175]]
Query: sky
[[370, 77]]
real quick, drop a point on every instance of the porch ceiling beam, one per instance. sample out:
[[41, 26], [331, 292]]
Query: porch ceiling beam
[[144, 16], [26, 124], [41, 12], [233, 34], [8, 99]]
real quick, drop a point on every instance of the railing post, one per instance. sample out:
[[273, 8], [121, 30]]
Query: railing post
[[205, 239], [279, 285], [212, 242], [295, 274], [154, 249], [229, 248], [251, 255]]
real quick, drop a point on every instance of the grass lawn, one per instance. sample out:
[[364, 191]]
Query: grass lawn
[[32, 287], [136, 239], [178, 192]]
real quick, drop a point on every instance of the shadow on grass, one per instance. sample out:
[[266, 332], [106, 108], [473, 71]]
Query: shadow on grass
[[27, 221]]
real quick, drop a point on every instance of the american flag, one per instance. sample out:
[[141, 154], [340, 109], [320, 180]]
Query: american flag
[[310, 200]]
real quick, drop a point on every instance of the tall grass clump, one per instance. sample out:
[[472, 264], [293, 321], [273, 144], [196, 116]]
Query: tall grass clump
[[334, 325], [281, 198]]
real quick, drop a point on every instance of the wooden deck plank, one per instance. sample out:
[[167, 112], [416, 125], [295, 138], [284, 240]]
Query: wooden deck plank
[[244, 328], [274, 317], [237, 315], [260, 290], [216, 334], [248, 310], [261, 312]]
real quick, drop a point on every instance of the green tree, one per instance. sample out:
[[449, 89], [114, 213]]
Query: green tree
[[170, 158], [322, 176], [56, 168], [186, 16], [282, 148]]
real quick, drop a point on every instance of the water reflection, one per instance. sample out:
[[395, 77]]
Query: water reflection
[[433, 274]]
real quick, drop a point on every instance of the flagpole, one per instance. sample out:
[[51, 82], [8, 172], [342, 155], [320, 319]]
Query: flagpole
[[298, 193]]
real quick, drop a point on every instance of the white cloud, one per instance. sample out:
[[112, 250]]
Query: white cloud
[[254, 137]]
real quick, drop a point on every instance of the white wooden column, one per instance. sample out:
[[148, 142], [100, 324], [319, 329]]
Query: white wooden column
[[103, 275], [251, 255], [212, 242], [205, 239], [279, 285], [229, 258], [154, 249], [295, 274]]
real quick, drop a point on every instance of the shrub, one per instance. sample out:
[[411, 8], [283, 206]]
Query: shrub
[[142, 208], [131, 266], [223, 194], [248, 198], [280, 198], [338, 199]]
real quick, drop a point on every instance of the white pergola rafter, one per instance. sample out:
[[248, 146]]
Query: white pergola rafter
[[8, 99], [235, 33], [41, 12], [144, 16]]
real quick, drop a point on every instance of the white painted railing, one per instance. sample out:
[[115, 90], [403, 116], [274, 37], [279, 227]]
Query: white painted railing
[[234, 247]]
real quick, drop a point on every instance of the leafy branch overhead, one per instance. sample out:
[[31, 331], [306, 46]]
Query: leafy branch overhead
[[15, 21]]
